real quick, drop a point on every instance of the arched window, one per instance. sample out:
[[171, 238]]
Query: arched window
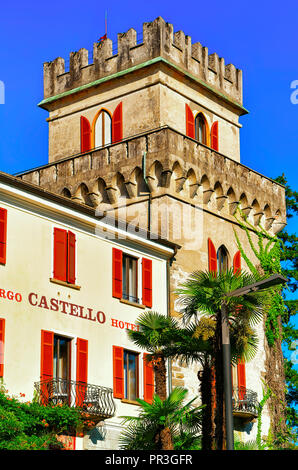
[[201, 129], [222, 259], [103, 129]]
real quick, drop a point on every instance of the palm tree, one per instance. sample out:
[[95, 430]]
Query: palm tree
[[192, 344], [203, 295], [196, 343], [162, 423], [154, 334]]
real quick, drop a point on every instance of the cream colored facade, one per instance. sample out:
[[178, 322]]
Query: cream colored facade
[[27, 287]]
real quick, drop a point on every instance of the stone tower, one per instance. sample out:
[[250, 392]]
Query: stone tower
[[150, 133]]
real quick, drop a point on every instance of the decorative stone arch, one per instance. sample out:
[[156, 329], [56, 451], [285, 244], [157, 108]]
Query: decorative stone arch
[[99, 193], [154, 176], [220, 197], [178, 177], [81, 194], [207, 191], [232, 200], [191, 184], [269, 218], [257, 213], [66, 192], [244, 205]]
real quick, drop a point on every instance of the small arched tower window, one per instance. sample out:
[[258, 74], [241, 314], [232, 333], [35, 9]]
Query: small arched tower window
[[201, 129], [103, 129], [222, 259]]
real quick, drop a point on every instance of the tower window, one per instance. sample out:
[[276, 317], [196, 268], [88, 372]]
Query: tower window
[[222, 260], [103, 129], [201, 129]]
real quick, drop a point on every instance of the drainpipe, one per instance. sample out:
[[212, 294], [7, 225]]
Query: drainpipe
[[149, 193]]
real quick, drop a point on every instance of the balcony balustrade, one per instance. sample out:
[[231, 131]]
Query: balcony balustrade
[[95, 400], [245, 403]]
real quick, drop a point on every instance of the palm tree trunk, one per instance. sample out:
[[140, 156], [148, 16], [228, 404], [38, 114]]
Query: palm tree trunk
[[160, 376], [205, 378], [166, 439]]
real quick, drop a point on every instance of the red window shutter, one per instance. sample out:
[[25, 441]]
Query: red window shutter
[[214, 136], [241, 379], [212, 257], [82, 370], [147, 282], [237, 262], [148, 379], [85, 135], [190, 122], [47, 354], [60, 254], [2, 338], [3, 235], [71, 264], [82, 360], [117, 273], [118, 372], [117, 124]]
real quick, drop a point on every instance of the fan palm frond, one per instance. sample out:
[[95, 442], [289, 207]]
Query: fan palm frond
[[173, 413]]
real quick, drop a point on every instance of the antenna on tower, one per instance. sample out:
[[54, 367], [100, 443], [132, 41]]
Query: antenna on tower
[[106, 28]]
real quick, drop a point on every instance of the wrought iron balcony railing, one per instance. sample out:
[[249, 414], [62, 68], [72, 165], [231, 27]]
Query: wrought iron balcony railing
[[95, 400], [245, 402]]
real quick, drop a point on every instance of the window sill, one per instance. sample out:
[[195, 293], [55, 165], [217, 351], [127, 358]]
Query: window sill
[[130, 402], [65, 284], [134, 304]]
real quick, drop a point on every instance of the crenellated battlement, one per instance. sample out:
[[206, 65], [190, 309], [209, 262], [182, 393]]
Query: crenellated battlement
[[159, 40]]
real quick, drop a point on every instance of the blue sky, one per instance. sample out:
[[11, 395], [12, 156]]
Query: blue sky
[[260, 37]]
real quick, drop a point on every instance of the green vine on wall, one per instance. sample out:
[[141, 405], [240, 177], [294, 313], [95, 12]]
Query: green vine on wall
[[266, 396], [268, 252]]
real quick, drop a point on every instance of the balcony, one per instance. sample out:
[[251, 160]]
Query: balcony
[[245, 403], [95, 400]]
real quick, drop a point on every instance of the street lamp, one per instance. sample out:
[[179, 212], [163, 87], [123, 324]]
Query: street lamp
[[273, 280]]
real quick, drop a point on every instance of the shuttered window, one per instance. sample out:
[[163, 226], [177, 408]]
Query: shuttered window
[[85, 135], [126, 375], [3, 235], [190, 122], [82, 371], [212, 257], [117, 273], [148, 379], [125, 278], [64, 255], [147, 282], [117, 124], [214, 136], [241, 379], [237, 262], [118, 372]]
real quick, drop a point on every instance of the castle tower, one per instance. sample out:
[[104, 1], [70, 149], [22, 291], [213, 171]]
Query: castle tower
[[153, 79], [150, 133]]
